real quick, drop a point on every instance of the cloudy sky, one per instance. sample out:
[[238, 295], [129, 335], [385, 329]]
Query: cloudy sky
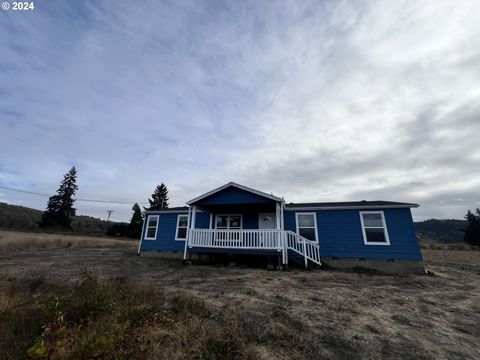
[[312, 100]]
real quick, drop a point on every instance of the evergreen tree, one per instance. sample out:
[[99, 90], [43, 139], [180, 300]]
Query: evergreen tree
[[136, 223], [472, 232], [60, 208], [159, 198]]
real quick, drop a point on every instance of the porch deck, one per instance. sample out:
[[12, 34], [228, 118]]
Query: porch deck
[[285, 243]]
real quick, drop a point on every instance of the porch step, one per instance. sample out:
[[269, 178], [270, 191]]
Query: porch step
[[298, 259]]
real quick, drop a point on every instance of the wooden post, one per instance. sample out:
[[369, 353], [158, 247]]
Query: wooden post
[[305, 253], [194, 215], [188, 237]]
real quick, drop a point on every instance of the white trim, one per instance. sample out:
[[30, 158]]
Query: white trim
[[277, 216], [194, 217], [210, 221], [228, 222], [176, 230], [282, 217], [241, 187], [350, 207], [384, 227], [314, 221], [156, 227], [141, 236]]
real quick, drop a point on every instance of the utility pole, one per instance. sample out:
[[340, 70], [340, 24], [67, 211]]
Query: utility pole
[[110, 212]]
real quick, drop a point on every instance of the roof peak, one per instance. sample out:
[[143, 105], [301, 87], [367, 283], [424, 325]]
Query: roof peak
[[238, 186]]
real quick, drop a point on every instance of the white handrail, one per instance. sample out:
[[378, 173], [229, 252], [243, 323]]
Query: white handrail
[[310, 250], [236, 239]]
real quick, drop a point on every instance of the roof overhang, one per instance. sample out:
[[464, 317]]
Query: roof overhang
[[306, 208], [238, 186]]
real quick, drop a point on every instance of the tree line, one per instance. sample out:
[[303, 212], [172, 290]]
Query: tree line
[[60, 209]]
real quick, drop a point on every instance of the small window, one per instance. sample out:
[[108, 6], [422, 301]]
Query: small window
[[152, 226], [182, 226], [307, 226], [222, 222], [235, 222], [374, 228]]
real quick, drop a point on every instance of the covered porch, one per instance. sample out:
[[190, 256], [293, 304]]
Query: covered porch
[[243, 220]]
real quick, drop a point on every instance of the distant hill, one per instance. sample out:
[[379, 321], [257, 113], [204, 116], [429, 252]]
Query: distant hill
[[445, 231], [22, 218]]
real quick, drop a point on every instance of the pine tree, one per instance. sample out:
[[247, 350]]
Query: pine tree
[[135, 227], [60, 208], [472, 232], [159, 198]]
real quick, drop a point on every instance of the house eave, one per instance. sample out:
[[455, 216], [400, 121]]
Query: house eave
[[306, 208], [238, 186]]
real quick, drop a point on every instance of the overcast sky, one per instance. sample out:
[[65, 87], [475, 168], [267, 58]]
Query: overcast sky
[[312, 100]]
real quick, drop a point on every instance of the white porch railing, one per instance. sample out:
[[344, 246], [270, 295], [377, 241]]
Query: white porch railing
[[236, 239], [275, 239], [310, 250]]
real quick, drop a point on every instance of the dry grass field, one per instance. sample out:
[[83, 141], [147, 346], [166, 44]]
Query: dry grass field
[[100, 300], [13, 241]]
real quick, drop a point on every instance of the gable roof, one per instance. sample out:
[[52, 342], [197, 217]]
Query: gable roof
[[379, 204], [238, 186]]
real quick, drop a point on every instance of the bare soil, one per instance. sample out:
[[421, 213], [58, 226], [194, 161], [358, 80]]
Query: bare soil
[[344, 314]]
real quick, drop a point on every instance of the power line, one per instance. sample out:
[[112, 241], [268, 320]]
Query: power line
[[76, 199]]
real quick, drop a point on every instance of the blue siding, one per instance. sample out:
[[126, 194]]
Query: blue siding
[[339, 231], [167, 226], [233, 195], [340, 235]]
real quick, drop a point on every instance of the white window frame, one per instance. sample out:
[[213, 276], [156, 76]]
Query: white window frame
[[147, 227], [228, 222], [176, 231], [384, 227], [314, 223]]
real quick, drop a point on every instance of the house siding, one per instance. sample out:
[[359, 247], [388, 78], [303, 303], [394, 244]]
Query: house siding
[[339, 231], [340, 234], [167, 227], [233, 195]]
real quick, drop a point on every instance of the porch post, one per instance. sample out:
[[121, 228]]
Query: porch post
[[194, 213], [284, 234], [188, 236], [282, 220], [277, 215]]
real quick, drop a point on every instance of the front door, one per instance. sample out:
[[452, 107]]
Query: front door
[[266, 221]]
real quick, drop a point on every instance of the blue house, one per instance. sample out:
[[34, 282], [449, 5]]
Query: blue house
[[235, 219]]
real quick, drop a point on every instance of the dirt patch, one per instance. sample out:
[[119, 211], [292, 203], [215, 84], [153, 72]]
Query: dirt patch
[[339, 314]]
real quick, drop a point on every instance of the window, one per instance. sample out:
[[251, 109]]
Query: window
[[182, 225], [307, 225], [228, 222], [152, 226], [374, 228]]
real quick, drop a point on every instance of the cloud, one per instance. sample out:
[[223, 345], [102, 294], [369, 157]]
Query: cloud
[[316, 101]]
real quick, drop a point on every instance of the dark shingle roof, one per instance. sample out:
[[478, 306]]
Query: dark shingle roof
[[350, 204]]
